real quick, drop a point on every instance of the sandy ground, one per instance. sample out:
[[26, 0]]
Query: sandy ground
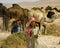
[[43, 40], [49, 42], [3, 35]]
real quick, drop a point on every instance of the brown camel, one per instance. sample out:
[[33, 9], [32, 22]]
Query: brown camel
[[18, 12]]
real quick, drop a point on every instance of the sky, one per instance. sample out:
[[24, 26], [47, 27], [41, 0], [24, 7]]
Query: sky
[[16, 1]]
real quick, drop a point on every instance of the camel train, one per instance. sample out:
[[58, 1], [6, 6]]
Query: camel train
[[43, 16]]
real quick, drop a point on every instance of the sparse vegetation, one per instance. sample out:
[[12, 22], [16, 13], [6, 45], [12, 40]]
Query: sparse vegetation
[[51, 31], [17, 40]]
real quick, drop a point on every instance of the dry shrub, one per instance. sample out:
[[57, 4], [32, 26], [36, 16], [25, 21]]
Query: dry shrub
[[17, 40]]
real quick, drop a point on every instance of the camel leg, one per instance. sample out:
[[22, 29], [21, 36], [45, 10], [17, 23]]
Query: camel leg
[[40, 32], [45, 30]]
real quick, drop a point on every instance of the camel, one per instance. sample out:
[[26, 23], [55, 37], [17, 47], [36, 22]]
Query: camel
[[38, 14], [41, 17], [14, 12], [4, 15], [17, 12]]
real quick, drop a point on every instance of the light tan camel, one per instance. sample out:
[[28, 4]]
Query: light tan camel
[[41, 17]]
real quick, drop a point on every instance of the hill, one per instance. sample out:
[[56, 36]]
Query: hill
[[40, 3]]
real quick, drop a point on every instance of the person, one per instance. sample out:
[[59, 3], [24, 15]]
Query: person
[[16, 27], [32, 32]]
